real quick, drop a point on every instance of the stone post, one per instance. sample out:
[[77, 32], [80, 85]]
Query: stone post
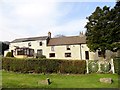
[[48, 81]]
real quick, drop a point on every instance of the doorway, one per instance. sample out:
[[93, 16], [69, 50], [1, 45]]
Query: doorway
[[87, 55]]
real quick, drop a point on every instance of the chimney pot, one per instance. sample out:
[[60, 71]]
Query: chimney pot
[[49, 34]]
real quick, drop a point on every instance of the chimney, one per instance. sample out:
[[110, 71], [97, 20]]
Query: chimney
[[49, 34], [81, 34]]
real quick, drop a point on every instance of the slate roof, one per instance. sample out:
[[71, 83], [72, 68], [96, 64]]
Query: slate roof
[[67, 40], [29, 39]]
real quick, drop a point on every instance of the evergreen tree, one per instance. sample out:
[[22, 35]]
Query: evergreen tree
[[114, 27], [103, 29], [97, 30], [3, 47]]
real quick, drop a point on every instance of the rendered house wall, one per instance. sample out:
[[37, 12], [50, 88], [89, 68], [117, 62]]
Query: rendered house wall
[[77, 51]]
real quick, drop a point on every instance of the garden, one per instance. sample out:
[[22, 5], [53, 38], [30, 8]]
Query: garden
[[20, 80]]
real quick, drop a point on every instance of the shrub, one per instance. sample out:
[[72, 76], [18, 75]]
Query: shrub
[[9, 54], [44, 65], [116, 62]]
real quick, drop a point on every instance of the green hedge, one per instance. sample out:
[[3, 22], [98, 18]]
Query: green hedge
[[9, 54], [117, 65], [44, 65]]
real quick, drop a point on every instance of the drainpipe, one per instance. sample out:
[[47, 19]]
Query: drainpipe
[[80, 52]]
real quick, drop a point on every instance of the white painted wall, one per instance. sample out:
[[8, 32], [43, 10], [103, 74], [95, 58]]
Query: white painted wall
[[58, 50], [34, 45], [84, 48], [61, 50], [75, 52]]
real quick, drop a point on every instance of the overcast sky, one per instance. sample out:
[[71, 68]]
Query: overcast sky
[[31, 18]]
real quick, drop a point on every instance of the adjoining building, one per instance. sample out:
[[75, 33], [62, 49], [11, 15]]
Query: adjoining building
[[72, 47]]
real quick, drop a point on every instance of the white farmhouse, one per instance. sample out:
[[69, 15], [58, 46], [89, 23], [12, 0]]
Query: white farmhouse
[[72, 47]]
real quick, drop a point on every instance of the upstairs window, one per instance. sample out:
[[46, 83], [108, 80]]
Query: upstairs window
[[67, 54], [52, 48], [68, 47], [40, 43], [29, 44]]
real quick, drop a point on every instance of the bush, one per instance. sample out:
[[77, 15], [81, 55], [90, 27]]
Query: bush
[[44, 65], [116, 62], [9, 54]]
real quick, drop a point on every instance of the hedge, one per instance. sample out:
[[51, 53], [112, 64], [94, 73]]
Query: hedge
[[44, 65], [9, 54], [116, 62]]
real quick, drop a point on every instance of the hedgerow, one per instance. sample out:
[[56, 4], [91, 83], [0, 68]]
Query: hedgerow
[[44, 65], [117, 65]]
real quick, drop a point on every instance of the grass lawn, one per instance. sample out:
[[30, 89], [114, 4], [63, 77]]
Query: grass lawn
[[16, 80]]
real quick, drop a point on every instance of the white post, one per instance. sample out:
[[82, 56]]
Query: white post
[[87, 66], [99, 67], [112, 66]]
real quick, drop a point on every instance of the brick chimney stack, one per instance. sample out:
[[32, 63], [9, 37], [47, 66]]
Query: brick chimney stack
[[49, 34], [81, 34]]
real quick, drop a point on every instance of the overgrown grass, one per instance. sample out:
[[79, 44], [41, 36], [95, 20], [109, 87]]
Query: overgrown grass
[[17, 80]]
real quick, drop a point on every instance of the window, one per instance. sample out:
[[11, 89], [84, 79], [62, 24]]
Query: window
[[39, 52], [99, 54], [67, 54], [31, 52], [68, 47], [52, 48], [25, 51], [20, 52], [52, 55], [40, 43], [29, 44]]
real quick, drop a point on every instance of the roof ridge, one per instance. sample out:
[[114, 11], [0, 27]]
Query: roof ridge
[[29, 39], [66, 37], [67, 40], [32, 37]]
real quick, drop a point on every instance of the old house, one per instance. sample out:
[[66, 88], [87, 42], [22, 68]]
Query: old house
[[72, 47]]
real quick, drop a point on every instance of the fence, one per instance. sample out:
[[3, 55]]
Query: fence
[[97, 66]]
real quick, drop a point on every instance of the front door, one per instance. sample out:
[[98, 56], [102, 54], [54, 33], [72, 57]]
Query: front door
[[87, 55]]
